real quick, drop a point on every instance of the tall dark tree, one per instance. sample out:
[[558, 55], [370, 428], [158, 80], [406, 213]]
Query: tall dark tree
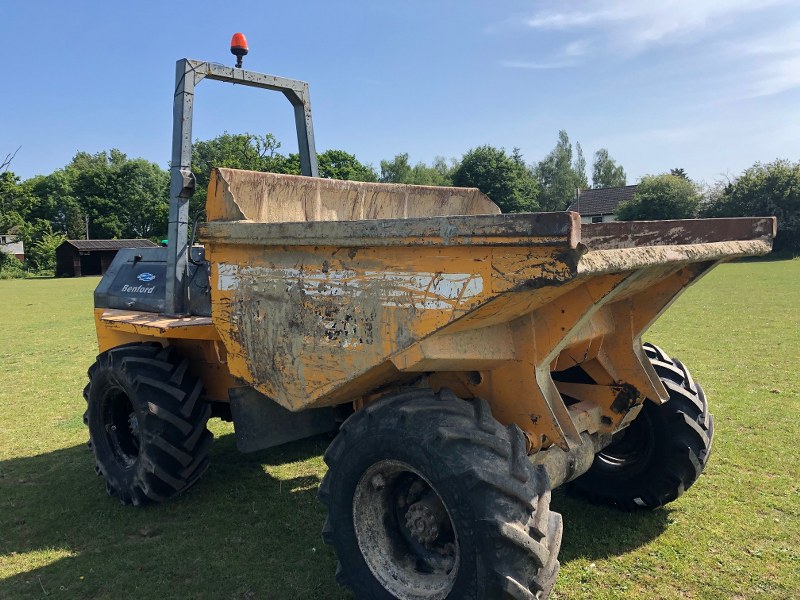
[[505, 179], [58, 204], [557, 176], [606, 172], [16, 201], [679, 172]]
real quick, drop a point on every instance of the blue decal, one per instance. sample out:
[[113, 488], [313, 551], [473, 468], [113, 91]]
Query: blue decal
[[145, 277]]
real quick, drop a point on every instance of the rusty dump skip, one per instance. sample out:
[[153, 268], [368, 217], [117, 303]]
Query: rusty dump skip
[[273, 198], [328, 291]]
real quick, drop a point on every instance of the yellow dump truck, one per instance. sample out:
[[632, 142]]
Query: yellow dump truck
[[471, 361]]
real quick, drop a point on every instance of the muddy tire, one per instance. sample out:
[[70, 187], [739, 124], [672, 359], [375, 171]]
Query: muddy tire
[[429, 497], [662, 453], [147, 423]]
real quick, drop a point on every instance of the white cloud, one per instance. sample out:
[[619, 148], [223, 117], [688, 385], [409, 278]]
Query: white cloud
[[765, 64], [534, 65], [565, 58], [575, 18], [774, 77], [633, 26], [736, 48], [576, 48]]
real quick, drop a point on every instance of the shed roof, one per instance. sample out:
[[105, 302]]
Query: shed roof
[[602, 201], [86, 245]]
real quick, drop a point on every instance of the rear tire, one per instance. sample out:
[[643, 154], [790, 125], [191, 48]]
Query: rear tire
[[147, 423], [661, 453], [429, 497]]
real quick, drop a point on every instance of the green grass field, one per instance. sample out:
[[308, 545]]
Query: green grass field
[[250, 528]]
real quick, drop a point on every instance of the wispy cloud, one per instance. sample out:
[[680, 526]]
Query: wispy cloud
[[776, 77], [564, 58], [585, 17], [636, 25], [537, 66], [731, 37], [576, 48], [767, 63]]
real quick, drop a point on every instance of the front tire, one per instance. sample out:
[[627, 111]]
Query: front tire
[[429, 497], [147, 423], [661, 453]]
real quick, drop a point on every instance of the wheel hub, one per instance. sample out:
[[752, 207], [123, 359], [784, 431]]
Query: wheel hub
[[425, 520], [405, 533]]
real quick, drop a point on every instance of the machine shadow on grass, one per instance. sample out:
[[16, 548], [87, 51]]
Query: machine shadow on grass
[[240, 532], [594, 532]]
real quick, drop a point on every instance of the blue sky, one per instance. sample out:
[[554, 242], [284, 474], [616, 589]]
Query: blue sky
[[711, 86]]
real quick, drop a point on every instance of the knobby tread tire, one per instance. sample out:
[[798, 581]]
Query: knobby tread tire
[[680, 433], [173, 441], [516, 537]]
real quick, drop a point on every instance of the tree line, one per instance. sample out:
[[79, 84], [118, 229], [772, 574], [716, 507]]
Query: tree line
[[109, 195]]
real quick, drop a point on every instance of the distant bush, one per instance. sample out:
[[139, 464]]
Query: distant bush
[[660, 197], [11, 268], [764, 190]]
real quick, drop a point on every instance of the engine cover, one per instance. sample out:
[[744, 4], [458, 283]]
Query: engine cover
[[137, 280]]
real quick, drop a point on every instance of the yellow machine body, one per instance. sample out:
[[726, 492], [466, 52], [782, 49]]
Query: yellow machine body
[[328, 292]]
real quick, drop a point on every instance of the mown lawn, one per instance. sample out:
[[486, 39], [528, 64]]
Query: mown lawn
[[250, 528]]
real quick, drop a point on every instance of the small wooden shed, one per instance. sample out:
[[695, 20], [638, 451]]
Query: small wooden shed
[[76, 258]]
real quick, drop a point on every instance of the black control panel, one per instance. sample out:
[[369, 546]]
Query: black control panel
[[136, 280]]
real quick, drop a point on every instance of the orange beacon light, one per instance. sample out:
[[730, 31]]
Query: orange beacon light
[[239, 48]]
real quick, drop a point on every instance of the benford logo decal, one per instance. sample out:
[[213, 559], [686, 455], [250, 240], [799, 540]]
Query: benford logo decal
[[145, 277], [138, 289]]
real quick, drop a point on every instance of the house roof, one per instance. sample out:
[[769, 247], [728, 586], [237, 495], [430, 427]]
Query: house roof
[[86, 245], [602, 201]]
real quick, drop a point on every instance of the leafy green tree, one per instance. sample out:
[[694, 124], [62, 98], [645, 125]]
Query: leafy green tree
[[399, 170], [144, 186], [16, 201], [338, 164], [679, 172], [237, 151], [660, 197], [606, 172], [21, 208], [44, 250], [771, 189], [10, 267], [57, 202], [557, 175], [121, 197], [505, 179], [31, 234]]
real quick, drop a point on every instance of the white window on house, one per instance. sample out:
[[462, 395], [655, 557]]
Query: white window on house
[[597, 219]]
